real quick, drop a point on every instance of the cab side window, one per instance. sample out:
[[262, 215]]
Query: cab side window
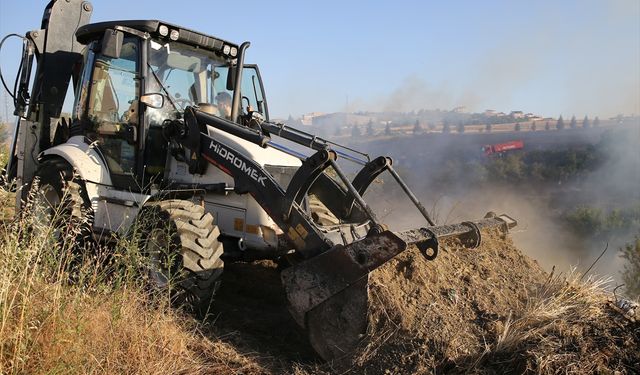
[[252, 95], [112, 108]]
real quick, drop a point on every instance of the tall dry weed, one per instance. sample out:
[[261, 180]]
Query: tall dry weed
[[67, 309], [565, 327]]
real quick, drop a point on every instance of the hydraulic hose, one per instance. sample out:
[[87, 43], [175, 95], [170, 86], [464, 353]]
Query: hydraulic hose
[[4, 83]]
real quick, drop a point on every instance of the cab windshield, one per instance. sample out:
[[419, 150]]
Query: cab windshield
[[187, 76]]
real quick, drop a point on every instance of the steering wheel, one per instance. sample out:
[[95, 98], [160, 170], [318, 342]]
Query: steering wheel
[[248, 107], [182, 102]]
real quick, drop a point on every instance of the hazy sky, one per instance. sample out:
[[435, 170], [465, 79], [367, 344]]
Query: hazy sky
[[548, 57]]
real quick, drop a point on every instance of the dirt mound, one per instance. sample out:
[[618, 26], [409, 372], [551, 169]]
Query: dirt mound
[[490, 310]]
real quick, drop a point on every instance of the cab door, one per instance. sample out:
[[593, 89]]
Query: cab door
[[112, 117], [110, 121], [253, 96]]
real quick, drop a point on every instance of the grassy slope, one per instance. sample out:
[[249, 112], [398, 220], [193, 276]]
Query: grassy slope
[[62, 315], [486, 311]]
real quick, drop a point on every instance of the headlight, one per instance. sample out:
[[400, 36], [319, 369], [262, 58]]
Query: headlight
[[234, 51], [163, 30], [174, 35], [226, 49]]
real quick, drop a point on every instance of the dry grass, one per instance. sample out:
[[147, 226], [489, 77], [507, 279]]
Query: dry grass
[[554, 331], [64, 313], [492, 311], [560, 300]]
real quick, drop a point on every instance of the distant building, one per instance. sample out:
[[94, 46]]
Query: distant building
[[517, 114], [307, 118], [341, 119], [461, 109], [533, 117], [490, 113]]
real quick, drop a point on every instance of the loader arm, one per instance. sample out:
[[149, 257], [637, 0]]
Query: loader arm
[[328, 291]]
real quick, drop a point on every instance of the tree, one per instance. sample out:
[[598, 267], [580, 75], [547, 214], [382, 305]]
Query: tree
[[573, 124], [517, 127], [596, 122], [370, 131], [547, 126], [446, 128], [631, 273], [355, 131], [534, 127], [560, 123], [460, 127], [619, 119], [417, 129], [387, 129], [4, 134], [488, 128], [586, 123]]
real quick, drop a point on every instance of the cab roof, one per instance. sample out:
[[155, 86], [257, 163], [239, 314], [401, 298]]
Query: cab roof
[[94, 31]]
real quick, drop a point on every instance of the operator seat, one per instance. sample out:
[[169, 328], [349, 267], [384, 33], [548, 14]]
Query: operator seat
[[209, 108]]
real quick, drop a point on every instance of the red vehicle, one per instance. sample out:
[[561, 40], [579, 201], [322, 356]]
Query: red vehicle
[[502, 147]]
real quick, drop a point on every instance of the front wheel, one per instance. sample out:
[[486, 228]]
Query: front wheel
[[183, 255], [60, 201]]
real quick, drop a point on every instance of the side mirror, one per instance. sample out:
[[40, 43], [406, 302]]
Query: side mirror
[[155, 100], [112, 43]]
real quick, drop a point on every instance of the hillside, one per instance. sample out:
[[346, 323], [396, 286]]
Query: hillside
[[489, 310], [493, 310]]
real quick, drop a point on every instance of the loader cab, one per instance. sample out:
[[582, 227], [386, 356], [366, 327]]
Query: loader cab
[[138, 74]]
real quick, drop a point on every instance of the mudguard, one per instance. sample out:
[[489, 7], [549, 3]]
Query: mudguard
[[83, 158]]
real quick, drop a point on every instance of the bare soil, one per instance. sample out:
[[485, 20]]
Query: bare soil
[[250, 313]]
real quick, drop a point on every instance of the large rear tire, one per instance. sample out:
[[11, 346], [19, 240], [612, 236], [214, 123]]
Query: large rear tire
[[183, 254]]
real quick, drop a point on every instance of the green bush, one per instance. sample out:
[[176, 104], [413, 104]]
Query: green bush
[[544, 166], [592, 221], [631, 273], [586, 220]]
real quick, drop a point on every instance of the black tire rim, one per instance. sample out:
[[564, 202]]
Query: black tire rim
[[47, 207], [162, 261]]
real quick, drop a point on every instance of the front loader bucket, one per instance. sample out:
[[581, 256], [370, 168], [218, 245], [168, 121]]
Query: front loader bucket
[[328, 294]]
